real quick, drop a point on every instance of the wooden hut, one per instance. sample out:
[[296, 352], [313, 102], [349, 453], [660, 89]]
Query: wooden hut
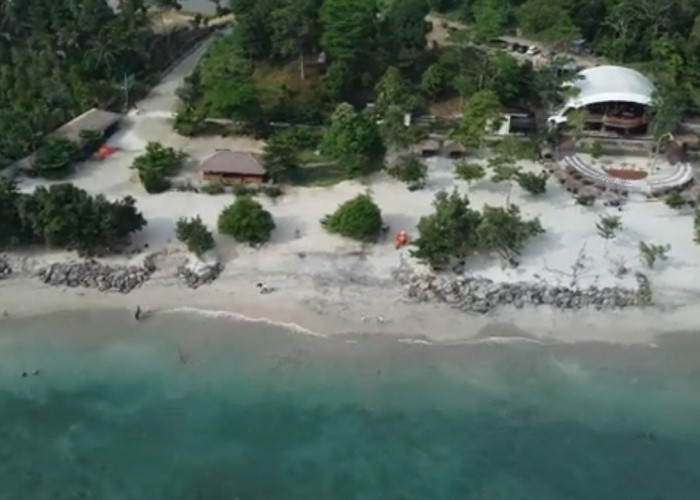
[[427, 148], [454, 150], [233, 167]]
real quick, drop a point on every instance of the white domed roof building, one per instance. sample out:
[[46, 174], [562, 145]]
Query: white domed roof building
[[612, 98]]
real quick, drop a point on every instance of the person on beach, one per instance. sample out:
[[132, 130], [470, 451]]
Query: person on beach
[[137, 314]]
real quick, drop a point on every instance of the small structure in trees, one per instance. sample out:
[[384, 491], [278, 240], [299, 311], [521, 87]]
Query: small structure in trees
[[454, 150], [427, 148], [95, 121], [233, 167]]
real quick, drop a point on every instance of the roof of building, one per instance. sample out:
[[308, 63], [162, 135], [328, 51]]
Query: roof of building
[[92, 119], [454, 147], [427, 145], [226, 161], [611, 83]]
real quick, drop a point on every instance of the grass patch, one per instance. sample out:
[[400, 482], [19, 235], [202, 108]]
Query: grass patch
[[320, 174], [286, 78]]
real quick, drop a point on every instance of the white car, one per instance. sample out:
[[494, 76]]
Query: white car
[[533, 50]]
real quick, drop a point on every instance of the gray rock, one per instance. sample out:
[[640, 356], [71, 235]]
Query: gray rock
[[208, 275], [92, 274], [480, 295]]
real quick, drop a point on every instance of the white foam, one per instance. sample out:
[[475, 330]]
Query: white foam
[[242, 317]]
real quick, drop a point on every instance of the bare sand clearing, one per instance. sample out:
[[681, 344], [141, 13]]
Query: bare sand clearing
[[332, 285]]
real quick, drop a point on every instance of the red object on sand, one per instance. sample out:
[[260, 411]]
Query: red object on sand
[[105, 151], [401, 239]]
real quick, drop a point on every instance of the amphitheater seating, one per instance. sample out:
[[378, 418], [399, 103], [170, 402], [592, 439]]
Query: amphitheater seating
[[682, 174], [596, 175]]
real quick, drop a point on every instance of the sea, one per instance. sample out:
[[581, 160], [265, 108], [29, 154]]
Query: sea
[[186, 406]]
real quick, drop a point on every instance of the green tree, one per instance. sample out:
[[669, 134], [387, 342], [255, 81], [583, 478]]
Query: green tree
[[404, 30], [450, 231], [194, 234], [410, 170], [229, 88], [533, 183], [358, 218], [349, 29], [608, 226], [504, 171], [246, 221], [393, 92], [281, 156], [295, 29], [491, 17], [481, 112], [64, 216], [353, 140], [649, 253], [675, 200], [12, 232], [469, 172], [666, 113], [505, 231], [54, 159], [548, 19], [156, 165]]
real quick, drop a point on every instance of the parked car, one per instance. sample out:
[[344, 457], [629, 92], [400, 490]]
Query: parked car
[[533, 50]]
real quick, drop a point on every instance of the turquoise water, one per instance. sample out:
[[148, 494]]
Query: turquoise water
[[183, 407]]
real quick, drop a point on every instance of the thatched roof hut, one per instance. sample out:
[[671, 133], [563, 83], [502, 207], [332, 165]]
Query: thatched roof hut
[[426, 148], [454, 149]]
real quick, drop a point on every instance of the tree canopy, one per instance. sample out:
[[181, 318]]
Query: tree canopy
[[358, 218], [246, 221], [156, 165], [64, 216], [59, 59], [194, 234], [455, 229], [353, 140]]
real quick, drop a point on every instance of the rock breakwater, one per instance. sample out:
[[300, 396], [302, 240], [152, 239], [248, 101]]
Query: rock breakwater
[[482, 295], [202, 275], [93, 274]]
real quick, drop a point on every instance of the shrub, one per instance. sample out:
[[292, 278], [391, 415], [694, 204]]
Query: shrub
[[55, 157], [194, 234], [596, 149], [505, 231], [272, 191], [586, 200], [410, 170], [156, 165], [675, 200], [650, 253], [450, 231], [214, 187], [532, 183], [608, 226], [65, 216], [245, 190], [359, 218], [469, 172], [246, 221]]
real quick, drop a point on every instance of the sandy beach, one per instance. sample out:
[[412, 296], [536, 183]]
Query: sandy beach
[[327, 284]]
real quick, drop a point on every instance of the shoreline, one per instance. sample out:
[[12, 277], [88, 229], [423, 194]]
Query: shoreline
[[360, 312]]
